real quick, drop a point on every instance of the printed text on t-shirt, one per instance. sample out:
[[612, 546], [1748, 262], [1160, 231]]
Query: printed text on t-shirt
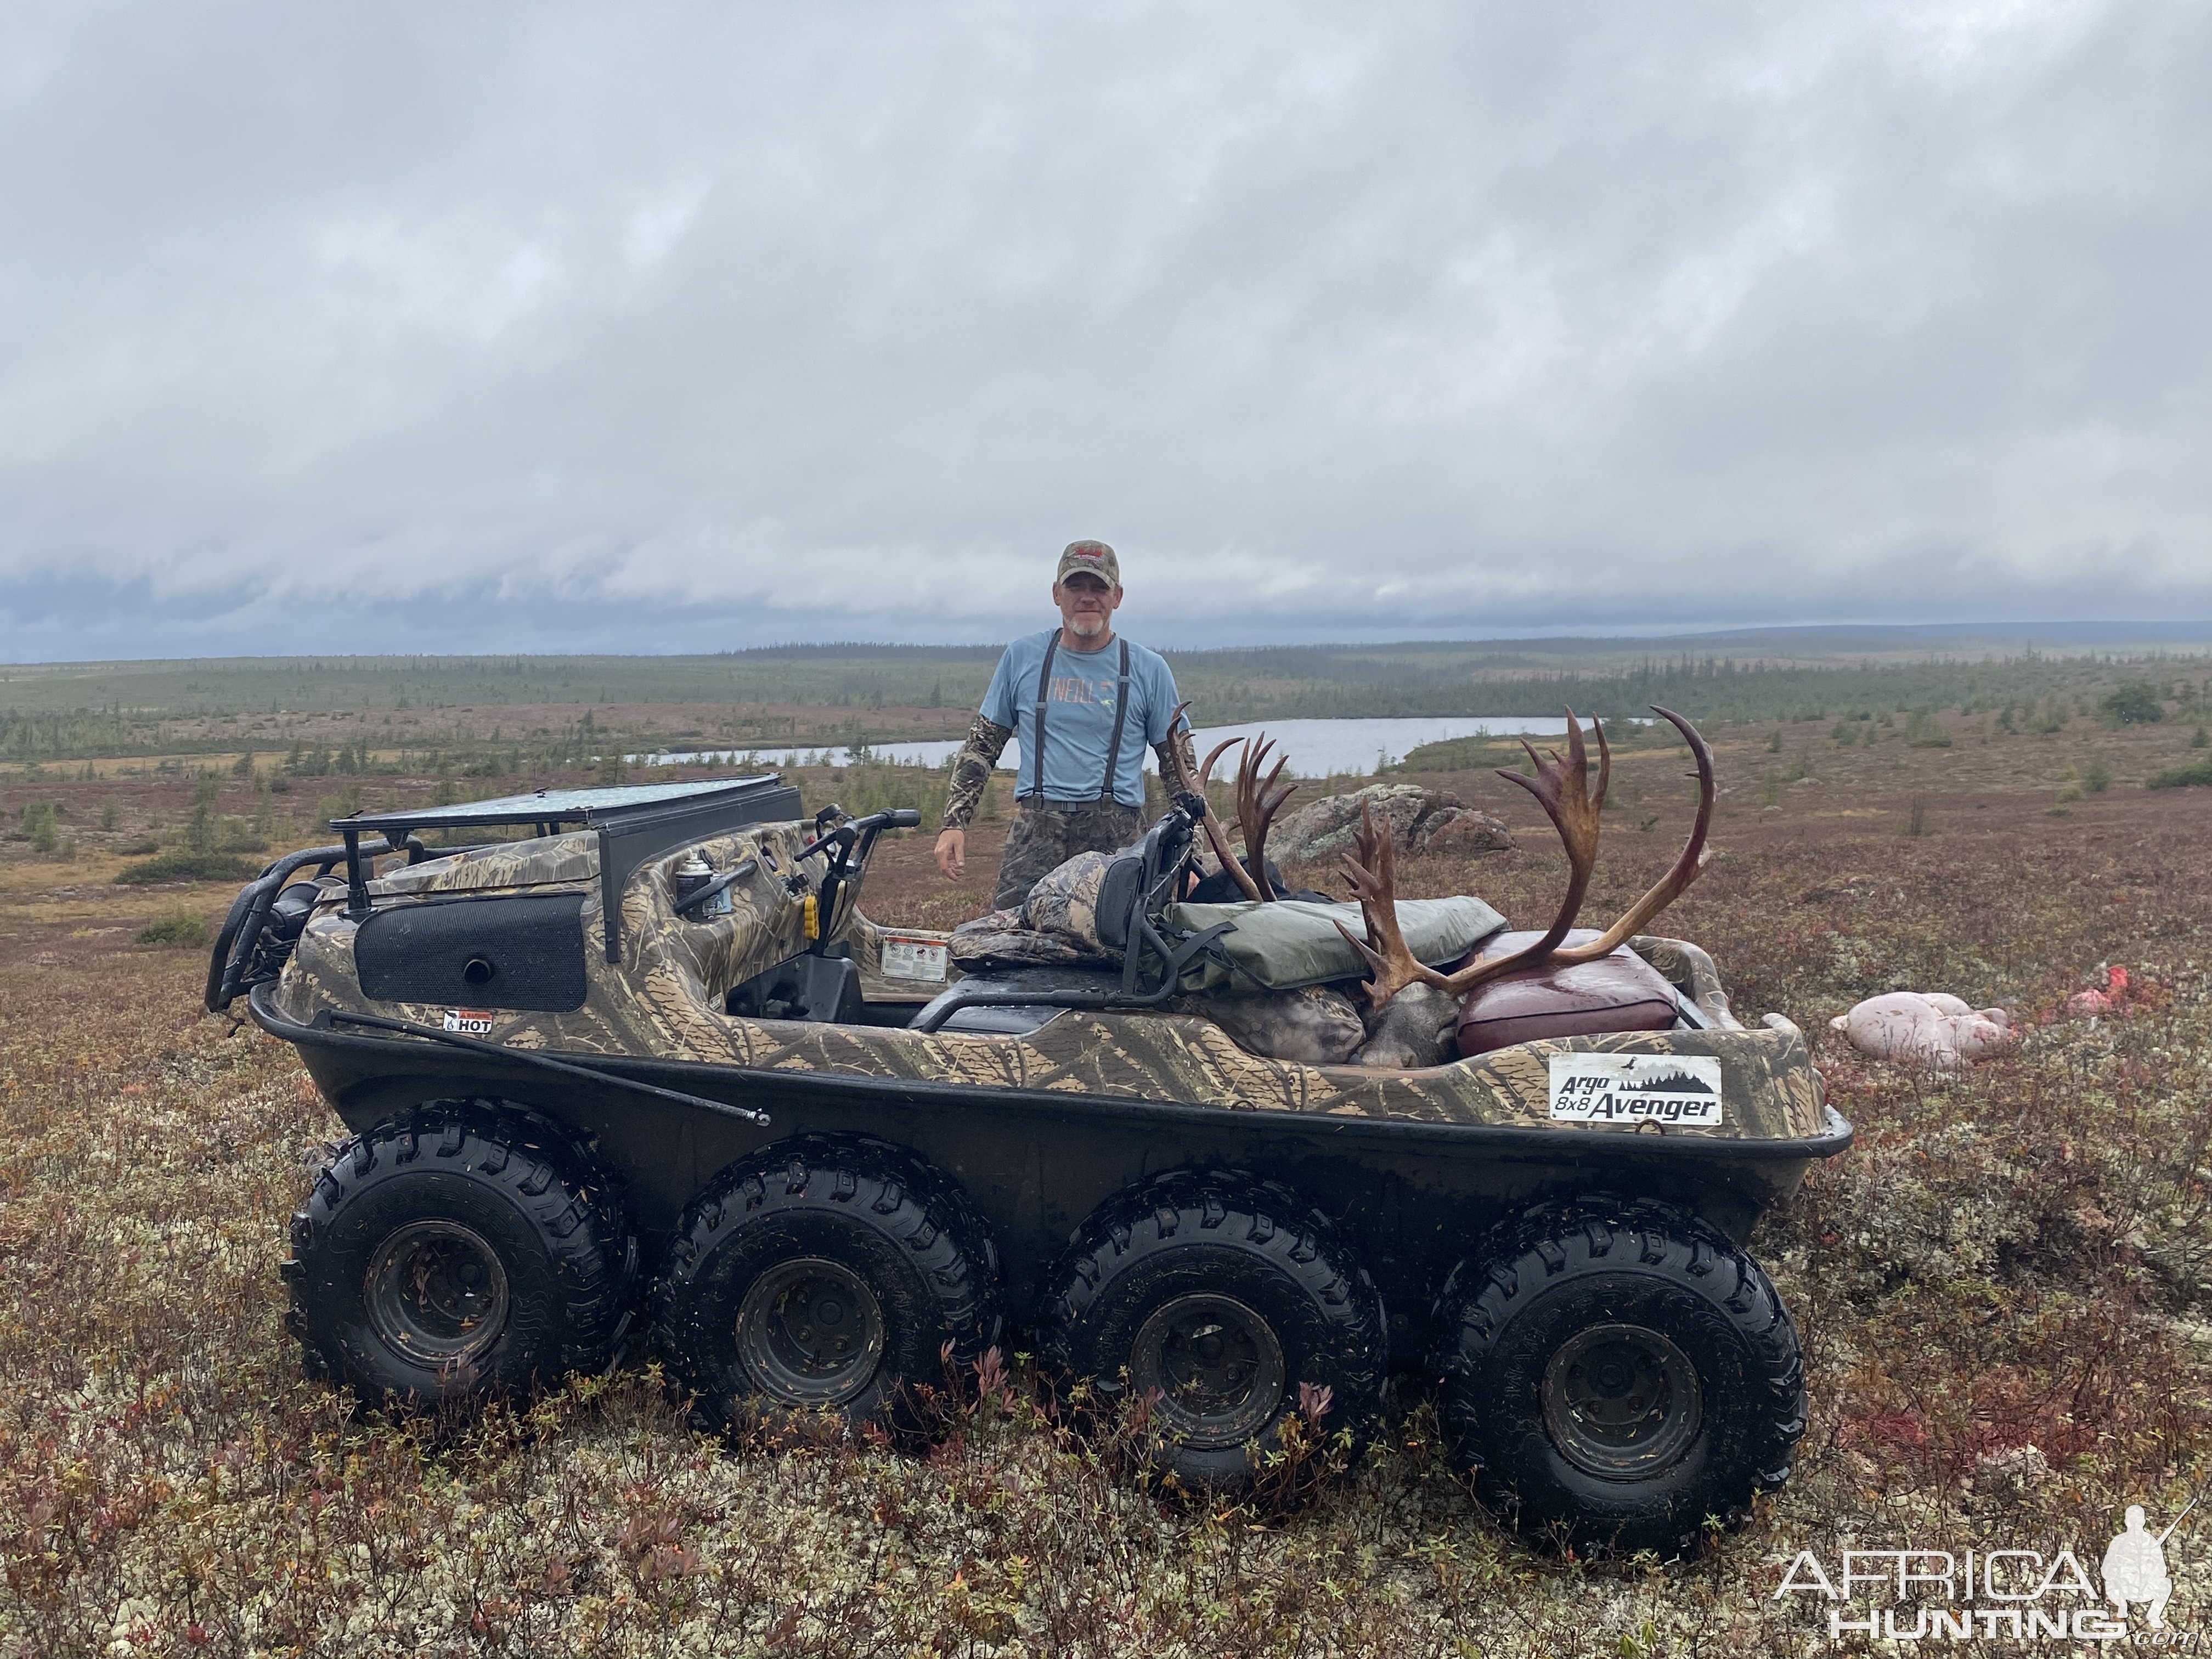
[[1073, 688]]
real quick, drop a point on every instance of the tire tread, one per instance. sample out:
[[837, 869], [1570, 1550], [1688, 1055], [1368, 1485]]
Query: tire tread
[[593, 1252], [1603, 1236]]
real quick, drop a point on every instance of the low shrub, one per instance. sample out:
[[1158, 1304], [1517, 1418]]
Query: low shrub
[[38, 828], [2177, 777], [2136, 703], [187, 866], [180, 931], [1924, 732]]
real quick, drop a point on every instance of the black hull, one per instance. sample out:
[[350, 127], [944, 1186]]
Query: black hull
[[1413, 1197]]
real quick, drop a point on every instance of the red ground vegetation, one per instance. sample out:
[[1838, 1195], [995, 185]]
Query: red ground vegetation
[[2015, 1256]]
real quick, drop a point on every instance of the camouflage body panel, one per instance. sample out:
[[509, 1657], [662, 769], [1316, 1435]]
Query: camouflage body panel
[[665, 999], [543, 861]]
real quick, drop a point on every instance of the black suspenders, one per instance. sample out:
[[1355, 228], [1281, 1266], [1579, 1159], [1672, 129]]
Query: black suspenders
[[1044, 683], [1120, 718]]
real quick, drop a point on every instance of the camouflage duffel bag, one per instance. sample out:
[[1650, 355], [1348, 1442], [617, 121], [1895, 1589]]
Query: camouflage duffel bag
[[1286, 944]]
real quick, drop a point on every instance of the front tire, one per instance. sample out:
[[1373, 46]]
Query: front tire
[[1621, 1372], [825, 1275], [457, 1252], [1216, 1296]]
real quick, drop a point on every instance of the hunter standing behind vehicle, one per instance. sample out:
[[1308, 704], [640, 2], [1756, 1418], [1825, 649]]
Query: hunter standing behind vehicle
[[1085, 704]]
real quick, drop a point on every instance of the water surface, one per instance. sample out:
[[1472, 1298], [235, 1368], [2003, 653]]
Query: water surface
[[1316, 748]]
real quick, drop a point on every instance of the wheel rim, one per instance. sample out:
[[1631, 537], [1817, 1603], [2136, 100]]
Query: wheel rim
[[810, 1333], [1216, 1365], [1621, 1402], [437, 1293]]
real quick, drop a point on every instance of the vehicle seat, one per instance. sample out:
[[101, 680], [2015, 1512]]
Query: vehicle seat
[[1617, 992], [1138, 885]]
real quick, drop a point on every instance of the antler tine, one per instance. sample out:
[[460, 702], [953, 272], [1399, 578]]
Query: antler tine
[[1214, 832], [1562, 788], [1374, 878], [1257, 802], [1205, 771], [1687, 865], [1175, 728]]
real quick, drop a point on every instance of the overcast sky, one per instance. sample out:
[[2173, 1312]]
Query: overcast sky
[[645, 327]]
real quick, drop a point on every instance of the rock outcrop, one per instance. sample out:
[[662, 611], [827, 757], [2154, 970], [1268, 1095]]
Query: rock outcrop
[[1419, 820]]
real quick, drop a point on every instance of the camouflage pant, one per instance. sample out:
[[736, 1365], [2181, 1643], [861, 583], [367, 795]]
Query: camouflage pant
[[1046, 834]]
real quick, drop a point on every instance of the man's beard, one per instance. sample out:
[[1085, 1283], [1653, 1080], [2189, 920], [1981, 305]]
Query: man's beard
[[1087, 624]]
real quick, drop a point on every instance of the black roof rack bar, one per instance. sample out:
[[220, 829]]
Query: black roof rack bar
[[633, 822]]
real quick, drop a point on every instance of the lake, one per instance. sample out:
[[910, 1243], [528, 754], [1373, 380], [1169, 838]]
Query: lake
[[1315, 748]]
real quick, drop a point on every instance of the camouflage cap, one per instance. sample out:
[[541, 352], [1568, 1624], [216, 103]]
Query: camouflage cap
[[1095, 557]]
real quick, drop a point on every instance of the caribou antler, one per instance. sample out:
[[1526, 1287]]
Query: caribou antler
[[1258, 802], [1669, 887], [1562, 787], [1374, 877], [1214, 832]]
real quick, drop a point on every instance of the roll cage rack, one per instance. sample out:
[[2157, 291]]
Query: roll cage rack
[[638, 823], [633, 822]]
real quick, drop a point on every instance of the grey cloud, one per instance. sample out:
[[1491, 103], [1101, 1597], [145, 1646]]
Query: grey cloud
[[659, 326]]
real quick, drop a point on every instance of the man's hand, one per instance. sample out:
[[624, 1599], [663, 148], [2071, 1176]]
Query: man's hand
[[952, 853]]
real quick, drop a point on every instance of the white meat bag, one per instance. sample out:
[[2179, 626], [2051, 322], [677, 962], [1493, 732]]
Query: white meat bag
[[1926, 1028]]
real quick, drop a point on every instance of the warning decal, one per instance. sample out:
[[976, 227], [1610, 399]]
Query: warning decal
[[915, 958]]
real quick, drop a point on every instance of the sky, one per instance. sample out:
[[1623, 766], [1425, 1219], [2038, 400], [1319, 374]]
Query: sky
[[659, 327]]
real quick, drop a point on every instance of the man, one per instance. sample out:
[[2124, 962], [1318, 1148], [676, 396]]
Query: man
[[2134, 1569], [1085, 703]]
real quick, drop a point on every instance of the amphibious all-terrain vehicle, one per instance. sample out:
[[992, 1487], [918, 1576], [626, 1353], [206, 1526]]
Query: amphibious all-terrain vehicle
[[641, 1066]]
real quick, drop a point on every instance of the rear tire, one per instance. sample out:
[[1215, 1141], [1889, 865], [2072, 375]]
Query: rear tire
[[457, 1252], [1621, 1372], [825, 1274], [1219, 1295]]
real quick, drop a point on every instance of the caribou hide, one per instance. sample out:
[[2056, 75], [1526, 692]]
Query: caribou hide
[[1313, 1025]]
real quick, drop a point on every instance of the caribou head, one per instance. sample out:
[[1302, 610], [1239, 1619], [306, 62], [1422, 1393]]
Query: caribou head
[[1412, 1010]]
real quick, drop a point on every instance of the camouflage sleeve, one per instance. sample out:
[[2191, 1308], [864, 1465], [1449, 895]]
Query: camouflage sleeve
[[971, 771]]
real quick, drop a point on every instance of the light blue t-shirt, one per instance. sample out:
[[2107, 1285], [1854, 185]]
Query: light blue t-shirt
[[1078, 715]]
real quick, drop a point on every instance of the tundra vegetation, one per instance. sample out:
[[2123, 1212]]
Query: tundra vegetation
[[488, 717], [2002, 1289]]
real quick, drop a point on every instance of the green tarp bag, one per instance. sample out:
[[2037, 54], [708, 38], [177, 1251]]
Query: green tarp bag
[[1293, 942]]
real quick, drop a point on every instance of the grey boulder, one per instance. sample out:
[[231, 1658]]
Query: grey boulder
[[1419, 821]]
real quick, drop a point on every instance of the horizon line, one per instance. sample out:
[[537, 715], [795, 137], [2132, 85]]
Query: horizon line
[[2082, 633]]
